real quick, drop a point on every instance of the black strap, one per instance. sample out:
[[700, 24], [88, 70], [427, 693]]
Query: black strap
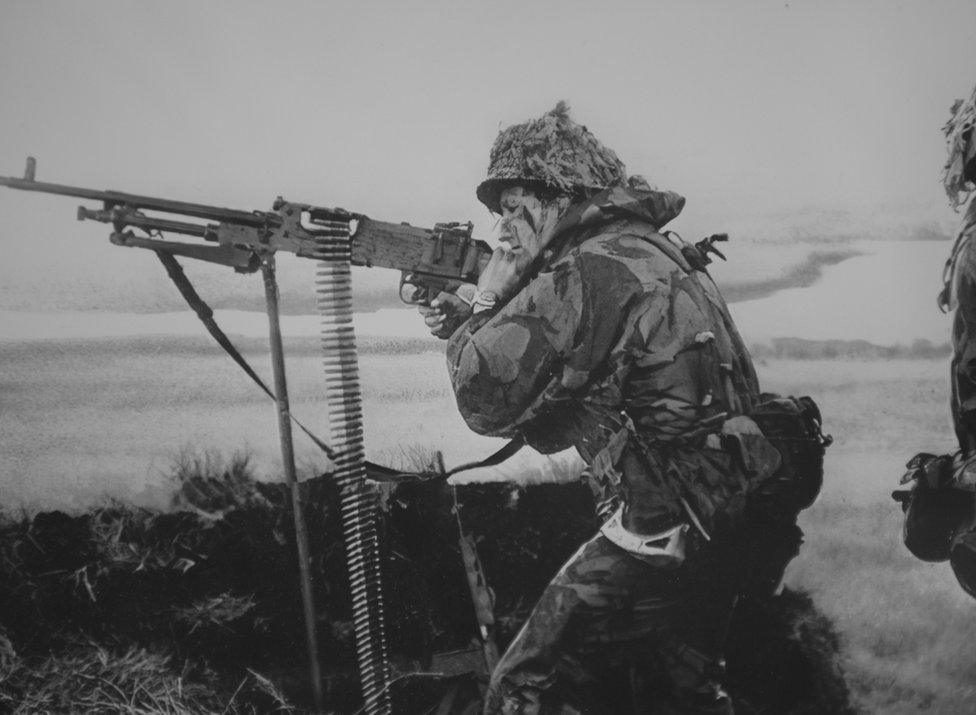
[[509, 449], [379, 473], [205, 313]]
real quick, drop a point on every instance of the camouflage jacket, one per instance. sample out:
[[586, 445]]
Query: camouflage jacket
[[623, 349], [960, 296]]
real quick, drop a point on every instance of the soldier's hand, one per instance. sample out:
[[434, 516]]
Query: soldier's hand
[[446, 312], [521, 243], [505, 272]]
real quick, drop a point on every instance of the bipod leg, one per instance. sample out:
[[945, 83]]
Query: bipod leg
[[288, 459]]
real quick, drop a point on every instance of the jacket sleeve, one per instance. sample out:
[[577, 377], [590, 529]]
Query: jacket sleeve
[[547, 348], [963, 363], [501, 364]]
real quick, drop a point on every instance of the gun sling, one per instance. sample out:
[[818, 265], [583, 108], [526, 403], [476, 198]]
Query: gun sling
[[203, 311]]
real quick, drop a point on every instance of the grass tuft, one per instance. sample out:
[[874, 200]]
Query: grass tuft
[[220, 611], [92, 678], [208, 482]]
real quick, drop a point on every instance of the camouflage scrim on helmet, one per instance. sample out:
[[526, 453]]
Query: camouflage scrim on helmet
[[957, 176], [552, 151]]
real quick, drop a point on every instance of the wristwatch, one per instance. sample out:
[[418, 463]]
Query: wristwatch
[[467, 292], [484, 300]]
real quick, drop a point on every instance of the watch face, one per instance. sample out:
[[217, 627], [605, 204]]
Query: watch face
[[486, 297]]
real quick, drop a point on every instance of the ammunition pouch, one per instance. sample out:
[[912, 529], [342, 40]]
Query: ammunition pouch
[[936, 510], [940, 511], [770, 538], [794, 427]]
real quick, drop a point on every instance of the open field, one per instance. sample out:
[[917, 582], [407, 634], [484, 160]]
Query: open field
[[908, 627], [83, 419], [87, 418]]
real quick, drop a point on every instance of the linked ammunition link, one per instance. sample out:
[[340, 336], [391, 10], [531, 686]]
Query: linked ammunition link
[[358, 500]]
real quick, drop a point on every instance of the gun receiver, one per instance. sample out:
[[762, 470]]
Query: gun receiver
[[430, 260]]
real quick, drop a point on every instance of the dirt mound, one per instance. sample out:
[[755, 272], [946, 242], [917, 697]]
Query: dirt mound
[[206, 597], [783, 656]]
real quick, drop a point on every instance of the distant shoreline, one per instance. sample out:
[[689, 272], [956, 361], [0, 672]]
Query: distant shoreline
[[826, 311], [299, 299], [802, 275], [149, 346]]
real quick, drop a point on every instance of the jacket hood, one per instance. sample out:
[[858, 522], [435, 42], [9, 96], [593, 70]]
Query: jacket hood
[[622, 202]]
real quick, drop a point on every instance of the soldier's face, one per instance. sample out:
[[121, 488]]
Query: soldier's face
[[522, 219]]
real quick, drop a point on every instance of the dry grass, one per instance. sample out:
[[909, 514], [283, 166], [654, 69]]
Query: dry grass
[[126, 609], [907, 626], [209, 482], [93, 679], [419, 458], [219, 611]]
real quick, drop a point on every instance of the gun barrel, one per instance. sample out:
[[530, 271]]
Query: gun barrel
[[118, 198]]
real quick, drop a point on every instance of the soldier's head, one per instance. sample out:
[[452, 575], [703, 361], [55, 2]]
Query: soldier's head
[[959, 173], [553, 157], [537, 169], [528, 215]]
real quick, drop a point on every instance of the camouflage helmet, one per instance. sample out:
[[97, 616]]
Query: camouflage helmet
[[959, 173], [551, 152]]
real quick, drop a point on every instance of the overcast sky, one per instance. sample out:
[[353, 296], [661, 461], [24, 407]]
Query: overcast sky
[[390, 108]]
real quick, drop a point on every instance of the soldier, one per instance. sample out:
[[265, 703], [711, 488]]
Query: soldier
[[939, 507], [590, 328]]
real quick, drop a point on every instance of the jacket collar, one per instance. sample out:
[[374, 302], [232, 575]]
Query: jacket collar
[[618, 203]]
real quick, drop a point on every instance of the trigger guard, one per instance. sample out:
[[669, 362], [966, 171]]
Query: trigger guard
[[412, 294]]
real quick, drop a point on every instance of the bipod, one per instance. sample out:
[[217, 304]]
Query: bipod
[[288, 461]]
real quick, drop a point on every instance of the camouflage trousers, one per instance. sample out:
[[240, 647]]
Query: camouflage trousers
[[612, 634]]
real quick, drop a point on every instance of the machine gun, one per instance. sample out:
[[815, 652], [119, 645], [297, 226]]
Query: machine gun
[[430, 260]]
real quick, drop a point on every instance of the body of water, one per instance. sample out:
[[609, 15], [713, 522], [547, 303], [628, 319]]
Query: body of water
[[884, 294]]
